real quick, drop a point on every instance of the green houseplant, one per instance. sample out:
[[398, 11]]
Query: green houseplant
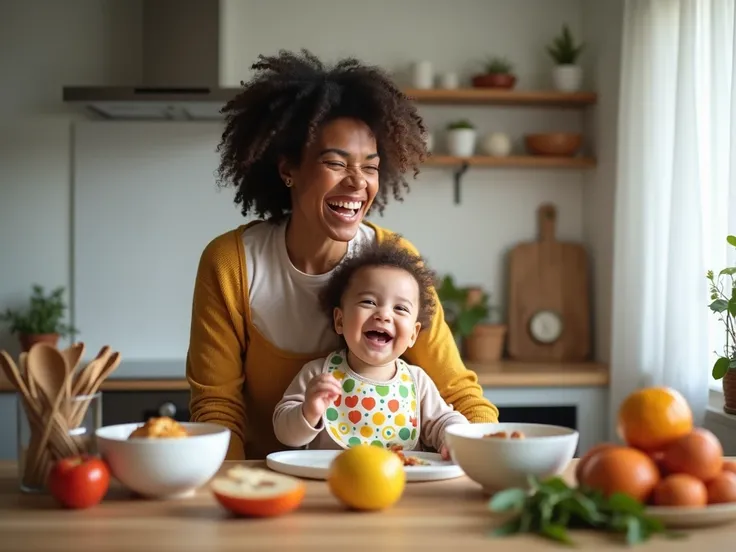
[[468, 312], [461, 138], [723, 304], [42, 321], [564, 51], [498, 72]]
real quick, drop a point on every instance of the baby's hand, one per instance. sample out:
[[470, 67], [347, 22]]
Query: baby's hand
[[321, 391], [444, 452]]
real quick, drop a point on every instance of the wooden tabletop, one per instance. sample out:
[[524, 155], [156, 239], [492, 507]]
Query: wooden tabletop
[[447, 515]]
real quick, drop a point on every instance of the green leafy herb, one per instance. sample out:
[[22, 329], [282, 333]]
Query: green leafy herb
[[45, 314], [551, 507], [563, 49], [498, 66], [723, 304]]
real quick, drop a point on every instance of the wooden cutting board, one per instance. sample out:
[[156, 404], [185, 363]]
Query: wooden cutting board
[[548, 275]]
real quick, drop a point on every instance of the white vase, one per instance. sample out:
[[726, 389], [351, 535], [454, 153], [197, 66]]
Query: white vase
[[496, 144], [429, 140], [567, 78], [461, 142], [423, 75]]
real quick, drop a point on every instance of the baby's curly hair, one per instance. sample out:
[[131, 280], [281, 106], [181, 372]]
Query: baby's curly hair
[[280, 110], [389, 254]]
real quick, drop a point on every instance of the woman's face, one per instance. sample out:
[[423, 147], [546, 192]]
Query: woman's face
[[336, 181]]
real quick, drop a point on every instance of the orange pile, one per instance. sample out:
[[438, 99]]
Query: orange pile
[[665, 460]]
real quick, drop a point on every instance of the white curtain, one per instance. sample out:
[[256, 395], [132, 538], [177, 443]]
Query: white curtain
[[675, 195]]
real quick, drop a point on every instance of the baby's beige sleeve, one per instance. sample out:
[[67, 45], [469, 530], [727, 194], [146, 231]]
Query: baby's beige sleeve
[[289, 425], [435, 413]]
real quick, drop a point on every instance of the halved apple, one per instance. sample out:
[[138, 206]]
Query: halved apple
[[256, 492]]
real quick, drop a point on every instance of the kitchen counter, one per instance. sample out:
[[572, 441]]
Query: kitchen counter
[[135, 375], [446, 515]]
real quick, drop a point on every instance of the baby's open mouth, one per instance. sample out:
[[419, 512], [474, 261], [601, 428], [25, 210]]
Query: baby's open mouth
[[378, 336], [345, 208]]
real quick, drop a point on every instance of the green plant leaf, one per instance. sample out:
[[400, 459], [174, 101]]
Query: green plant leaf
[[720, 368], [635, 531], [730, 271], [620, 502], [557, 533], [732, 306], [719, 305], [507, 500], [731, 240], [509, 528]]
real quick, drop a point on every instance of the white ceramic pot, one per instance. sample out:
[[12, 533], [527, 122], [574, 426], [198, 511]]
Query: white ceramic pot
[[429, 140], [461, 142], [423, 75], [496, 144], [567, 78]]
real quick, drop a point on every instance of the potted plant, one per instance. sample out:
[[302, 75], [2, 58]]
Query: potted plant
[[42, 322], [461, 137], [467, 312], [567, 74], [723, 303], [498, 73]]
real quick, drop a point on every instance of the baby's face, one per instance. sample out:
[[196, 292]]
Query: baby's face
[[379, 314]]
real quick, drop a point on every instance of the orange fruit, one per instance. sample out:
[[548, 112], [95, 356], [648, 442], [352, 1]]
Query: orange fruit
[[680, 489], [256, 492], [651, 418], [722, 488], [365, 477], [699, 453], [585, 458], [621, 470], [729, 465]]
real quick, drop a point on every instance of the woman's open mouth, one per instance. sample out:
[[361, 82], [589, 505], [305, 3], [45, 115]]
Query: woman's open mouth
[[346, 210]]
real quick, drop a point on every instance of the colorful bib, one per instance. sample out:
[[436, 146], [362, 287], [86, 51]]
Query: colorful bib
[[379, 414]]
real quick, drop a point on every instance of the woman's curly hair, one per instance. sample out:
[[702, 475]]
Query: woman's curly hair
[[279, 112], [388, 254]]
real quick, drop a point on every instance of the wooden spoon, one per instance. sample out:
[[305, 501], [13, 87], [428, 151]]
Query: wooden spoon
[[71, 356], [23, 362], [49, 369], [90, 373], [104, 366]]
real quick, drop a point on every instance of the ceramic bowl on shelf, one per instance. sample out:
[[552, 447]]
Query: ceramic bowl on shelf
[[164, 467], [561, 144], [498, 463]]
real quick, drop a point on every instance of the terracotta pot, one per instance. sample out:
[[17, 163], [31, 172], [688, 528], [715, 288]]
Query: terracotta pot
[[28, 341], [729, 392], [486, 343], [494, 80]]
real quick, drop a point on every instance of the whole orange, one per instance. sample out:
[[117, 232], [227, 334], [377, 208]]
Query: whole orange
[[680, 489], [699, 453], [592, 451], [722, 488], [651, 418], [621, 470]]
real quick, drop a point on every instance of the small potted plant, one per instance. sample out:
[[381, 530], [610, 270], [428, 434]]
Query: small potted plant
[[498, 73], [42, 322], [467, 312], [461, 137], [723, 303], [567, 74]]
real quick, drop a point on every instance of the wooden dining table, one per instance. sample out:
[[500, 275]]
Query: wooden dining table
[[450, 515]]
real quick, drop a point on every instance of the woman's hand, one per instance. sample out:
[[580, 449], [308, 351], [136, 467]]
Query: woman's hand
[[321, 391]]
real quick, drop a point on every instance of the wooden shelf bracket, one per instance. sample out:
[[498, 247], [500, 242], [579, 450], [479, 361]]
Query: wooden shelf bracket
[[458, 175]]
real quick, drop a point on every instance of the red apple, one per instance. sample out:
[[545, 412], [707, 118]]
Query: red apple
[[79, 481]]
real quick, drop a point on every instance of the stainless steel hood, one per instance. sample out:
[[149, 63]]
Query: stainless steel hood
[[181, 51]]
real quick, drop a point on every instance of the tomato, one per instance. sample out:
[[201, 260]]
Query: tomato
[[79, 481]]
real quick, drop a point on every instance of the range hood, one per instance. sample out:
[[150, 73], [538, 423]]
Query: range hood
[[181, 63]]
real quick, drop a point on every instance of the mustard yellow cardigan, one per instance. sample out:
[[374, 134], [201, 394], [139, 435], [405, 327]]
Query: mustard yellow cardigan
[[236, 376]]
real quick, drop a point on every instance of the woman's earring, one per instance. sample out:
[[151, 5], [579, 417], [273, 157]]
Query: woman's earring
[[288, 183]]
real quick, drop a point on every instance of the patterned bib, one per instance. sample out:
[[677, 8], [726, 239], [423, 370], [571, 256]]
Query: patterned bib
[[379, 414]]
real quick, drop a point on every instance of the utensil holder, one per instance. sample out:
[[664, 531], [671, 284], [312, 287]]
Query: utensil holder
[[71, 432]]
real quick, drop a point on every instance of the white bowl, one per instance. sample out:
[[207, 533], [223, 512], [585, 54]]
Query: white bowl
[[501, 463], [164, 468]]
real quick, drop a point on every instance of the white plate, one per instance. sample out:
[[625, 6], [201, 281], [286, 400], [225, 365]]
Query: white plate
[[715, 514], [314, 464]]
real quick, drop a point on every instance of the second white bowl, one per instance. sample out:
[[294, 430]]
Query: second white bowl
[[501, 463]]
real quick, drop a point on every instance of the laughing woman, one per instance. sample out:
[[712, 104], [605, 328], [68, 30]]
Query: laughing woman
[[310, 150]]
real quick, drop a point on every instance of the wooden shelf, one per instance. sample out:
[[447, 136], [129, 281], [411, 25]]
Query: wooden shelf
[[490, 96], [512, 161], [511, 373]]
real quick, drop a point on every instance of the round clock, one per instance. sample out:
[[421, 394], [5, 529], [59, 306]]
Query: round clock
[[545, 326]]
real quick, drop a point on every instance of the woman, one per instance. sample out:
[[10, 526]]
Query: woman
[[311, 150]]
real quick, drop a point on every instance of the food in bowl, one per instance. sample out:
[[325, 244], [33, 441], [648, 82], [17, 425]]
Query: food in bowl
[[159, 428], [497, 463], [504, 435], [164, 468], [407, 460]]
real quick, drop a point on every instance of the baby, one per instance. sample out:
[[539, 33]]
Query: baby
[[380, 299]]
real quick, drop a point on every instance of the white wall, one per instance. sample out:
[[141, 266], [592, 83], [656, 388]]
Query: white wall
[[497, 207]]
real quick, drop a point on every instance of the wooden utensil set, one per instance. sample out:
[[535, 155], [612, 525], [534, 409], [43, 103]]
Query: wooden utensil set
[[55, 395]]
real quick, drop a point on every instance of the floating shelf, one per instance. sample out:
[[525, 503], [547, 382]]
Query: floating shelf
[[462, 164], [490, 96]]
